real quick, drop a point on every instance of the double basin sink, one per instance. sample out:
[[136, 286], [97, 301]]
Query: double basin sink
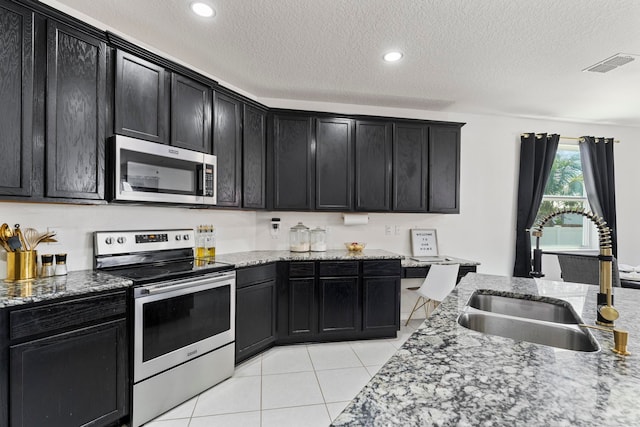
[[542, 320]]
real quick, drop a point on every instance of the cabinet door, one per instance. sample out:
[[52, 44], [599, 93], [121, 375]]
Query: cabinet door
[[76, 99], [292, 167], [444, 169], [334, 165], [303, 318], [381, 304], [190, 114], [410, 168], [16, 93], [72, 379], [255, 319], [227, 148], [254, 158], [338, 306], [373, 166], [141, 99]]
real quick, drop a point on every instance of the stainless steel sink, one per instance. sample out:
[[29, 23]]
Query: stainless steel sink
[[550, 309], [545, 321]]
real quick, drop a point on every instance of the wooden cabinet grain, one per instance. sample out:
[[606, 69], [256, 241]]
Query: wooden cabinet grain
[[293, 169], [373, 161], [410, 162], [255, 310], [254, 158], [16, 92], [69, 362], [338, 300], [334, 164], [190, 114], [142, 91], [444, 169], [227, 146], [76, 99]]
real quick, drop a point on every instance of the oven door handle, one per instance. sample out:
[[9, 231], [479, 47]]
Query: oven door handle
[[182, 284]]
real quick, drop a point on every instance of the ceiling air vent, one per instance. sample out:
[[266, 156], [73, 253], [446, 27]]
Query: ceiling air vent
[[611, 63]]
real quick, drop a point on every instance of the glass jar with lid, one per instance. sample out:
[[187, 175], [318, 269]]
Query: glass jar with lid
[[318, 240], [299, 238]]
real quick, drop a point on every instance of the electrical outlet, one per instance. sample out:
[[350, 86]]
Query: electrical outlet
[[387, 230], [58, 236]]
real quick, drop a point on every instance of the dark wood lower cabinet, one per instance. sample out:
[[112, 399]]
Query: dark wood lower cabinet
[[72, 379], [255, 310], [338, 300], [67, 362], [339, 308]]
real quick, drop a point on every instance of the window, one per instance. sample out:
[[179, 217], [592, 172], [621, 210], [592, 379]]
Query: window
[[565, 189]]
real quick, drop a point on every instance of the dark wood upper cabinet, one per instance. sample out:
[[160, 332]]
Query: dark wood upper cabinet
[[227, 146], [334, 164], [16, 93], [373, 147], [190, 114], [254, 155], [142, 92], [410, 163], [76, 99], [444, 169], [293, 162]]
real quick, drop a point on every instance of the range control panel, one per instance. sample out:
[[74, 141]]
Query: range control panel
[[129, 241]]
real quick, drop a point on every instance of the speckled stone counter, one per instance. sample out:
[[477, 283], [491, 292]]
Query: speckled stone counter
[[247, 259], [74, 283], [408, 262], [447, 375]]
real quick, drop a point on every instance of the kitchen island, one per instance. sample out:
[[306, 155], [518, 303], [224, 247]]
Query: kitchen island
[[447, 375]]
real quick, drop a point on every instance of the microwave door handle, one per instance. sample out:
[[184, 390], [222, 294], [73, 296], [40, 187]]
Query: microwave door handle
[[201, 171]]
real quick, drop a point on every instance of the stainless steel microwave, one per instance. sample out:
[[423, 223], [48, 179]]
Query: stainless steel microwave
[[143, 171]]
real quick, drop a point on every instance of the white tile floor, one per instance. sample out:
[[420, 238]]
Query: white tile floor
[[300, 385]]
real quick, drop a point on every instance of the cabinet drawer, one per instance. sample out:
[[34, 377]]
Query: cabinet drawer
[[62, 315], [302, 269], [250, 275], [382, 268], [339, 268]]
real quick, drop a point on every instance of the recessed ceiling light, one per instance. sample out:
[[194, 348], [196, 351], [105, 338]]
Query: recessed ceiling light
[[392, 56], [202, 9]]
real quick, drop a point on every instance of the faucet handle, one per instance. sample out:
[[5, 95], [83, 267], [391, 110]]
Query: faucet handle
[[620, 339]]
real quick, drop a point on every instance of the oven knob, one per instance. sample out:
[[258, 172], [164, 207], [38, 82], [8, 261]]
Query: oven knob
[[109, 240], [186, 237], [121, 240], [178, 237]]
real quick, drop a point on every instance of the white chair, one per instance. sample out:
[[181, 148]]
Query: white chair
[[440, 280]]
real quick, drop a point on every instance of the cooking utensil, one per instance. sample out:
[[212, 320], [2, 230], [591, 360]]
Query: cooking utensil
[[31, 236], [18, 233]]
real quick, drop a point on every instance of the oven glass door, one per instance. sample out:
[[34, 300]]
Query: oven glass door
[[181, 320]]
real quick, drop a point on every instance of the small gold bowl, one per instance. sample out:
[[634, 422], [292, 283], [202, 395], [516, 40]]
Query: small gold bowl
[[355, 246]]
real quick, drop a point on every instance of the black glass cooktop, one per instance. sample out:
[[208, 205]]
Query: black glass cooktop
[[151, 273]]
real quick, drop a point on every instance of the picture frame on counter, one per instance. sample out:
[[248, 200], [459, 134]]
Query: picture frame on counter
[[424, 242]]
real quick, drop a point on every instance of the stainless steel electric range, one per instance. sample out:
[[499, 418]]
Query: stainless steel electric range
[[183, 324]]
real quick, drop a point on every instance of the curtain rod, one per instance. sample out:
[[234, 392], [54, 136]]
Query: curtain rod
[[573, 138]]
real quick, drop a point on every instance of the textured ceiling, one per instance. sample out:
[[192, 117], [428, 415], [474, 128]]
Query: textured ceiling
[[510, 57]]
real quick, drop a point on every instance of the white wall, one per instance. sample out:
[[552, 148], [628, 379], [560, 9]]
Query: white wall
[[483, 231]]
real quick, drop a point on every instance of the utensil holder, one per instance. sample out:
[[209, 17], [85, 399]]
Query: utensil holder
[[22, 265]]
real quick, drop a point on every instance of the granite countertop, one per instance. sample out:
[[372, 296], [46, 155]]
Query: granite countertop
[[248, 259], [49, 288], [447, 375], [446, 259]]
